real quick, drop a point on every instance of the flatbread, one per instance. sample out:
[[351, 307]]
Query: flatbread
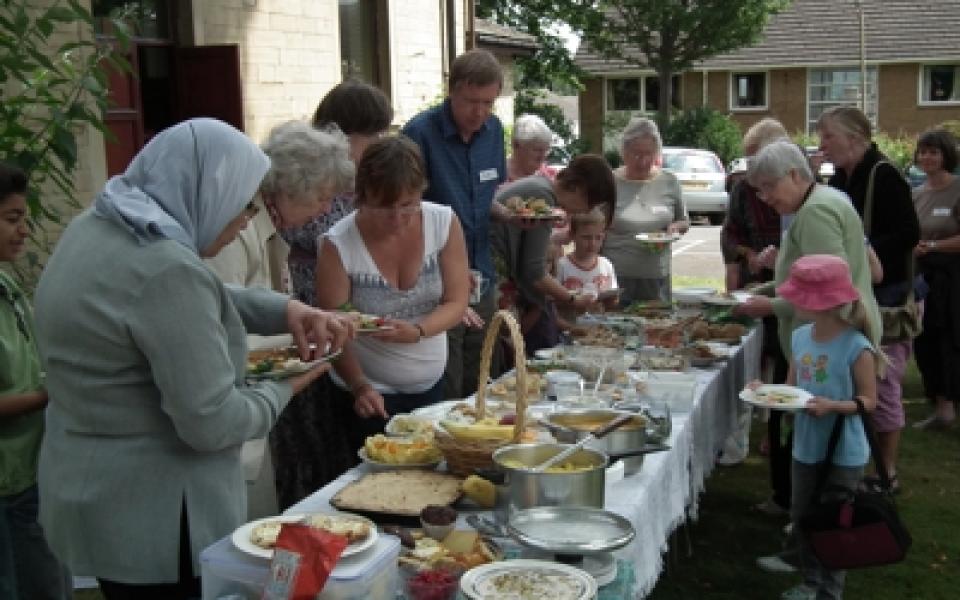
[[398, 492]]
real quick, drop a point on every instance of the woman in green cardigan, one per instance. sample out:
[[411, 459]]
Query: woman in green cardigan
[[825, 223]]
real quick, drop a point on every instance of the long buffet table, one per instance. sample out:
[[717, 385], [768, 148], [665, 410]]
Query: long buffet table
[[656, 500]]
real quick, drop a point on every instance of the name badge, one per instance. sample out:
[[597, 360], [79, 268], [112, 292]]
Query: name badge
[[661, 210], [488, 175], [941, 212]]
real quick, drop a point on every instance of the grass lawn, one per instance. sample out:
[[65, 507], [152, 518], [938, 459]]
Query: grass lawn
[[682, 281], [730, 535]]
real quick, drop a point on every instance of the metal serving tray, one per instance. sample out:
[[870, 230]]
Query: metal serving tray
[[570, 529]]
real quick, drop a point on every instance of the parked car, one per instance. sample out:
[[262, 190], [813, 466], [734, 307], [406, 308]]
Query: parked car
[[702, 179], [826, 170]]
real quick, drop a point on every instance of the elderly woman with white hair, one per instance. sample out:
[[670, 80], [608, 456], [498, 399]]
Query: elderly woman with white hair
[[308, 167], [648, 201], [824, 223], [529, 145], [140, 463]]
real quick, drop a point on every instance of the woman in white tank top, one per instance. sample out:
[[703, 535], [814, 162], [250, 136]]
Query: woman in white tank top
[[404, 259]]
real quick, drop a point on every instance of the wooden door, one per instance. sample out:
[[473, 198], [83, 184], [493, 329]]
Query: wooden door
[[208, 83], [124, 117]]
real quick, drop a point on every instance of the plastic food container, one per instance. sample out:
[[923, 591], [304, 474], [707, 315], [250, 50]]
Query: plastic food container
[[371, 575]]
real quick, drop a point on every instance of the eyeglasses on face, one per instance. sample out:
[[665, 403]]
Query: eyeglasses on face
[[251, 209]]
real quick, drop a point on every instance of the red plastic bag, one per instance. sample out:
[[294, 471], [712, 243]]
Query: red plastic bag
[[302, 561]]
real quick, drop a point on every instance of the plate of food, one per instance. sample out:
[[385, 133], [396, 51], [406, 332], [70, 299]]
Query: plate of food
[[281, 363], [658, 237], [532, 208], [524, 578], [383, 453], [367, 323], [721, 299], [406, 425], [777, 397], [259, 537], [607, 294]]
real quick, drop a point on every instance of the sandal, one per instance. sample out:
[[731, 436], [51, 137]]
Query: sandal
[[872, 483]]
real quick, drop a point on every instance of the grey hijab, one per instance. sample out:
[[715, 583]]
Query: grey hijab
[[186, 185]]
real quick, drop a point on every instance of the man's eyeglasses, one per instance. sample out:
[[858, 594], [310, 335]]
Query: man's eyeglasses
[[251, 209]]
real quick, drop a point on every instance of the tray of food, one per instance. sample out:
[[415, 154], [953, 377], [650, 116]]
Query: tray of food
[[281, 363], [258, 538], [505, 387], [658, 237], [532, 208], [386, 495], [777, 397], [407, 425]]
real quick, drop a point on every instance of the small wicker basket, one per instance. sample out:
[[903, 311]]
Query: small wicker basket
[[464, 457]]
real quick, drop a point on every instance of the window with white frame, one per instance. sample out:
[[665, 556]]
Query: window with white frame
[[748, 91], [638, 94], [827, 88], [940, 83]]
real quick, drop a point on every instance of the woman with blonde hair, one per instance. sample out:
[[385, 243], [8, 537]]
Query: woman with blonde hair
[[893, 230]]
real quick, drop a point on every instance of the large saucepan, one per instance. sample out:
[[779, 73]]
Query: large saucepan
[[581, 484], [572, 426]]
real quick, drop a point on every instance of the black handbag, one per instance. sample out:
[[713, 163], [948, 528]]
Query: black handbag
[[854, 529]]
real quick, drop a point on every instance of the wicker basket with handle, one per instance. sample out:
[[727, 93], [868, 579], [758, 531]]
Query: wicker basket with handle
[[464, 457]]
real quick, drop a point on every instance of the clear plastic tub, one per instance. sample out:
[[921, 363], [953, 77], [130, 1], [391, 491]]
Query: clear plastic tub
[[371, 575]]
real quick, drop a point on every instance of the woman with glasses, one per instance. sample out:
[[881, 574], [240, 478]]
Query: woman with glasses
[[648, 201], [140, 465], [402, 258]]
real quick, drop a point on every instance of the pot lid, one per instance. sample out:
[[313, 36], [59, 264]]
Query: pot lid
[[570, 529]]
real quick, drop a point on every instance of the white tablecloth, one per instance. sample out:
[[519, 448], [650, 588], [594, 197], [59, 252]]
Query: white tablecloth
[[656, 500]]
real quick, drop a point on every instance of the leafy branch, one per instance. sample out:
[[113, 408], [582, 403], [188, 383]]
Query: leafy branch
[[54, 83]]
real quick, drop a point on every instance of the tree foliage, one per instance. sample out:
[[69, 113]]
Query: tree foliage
[[670, 36], [705, 128], [53, 84]]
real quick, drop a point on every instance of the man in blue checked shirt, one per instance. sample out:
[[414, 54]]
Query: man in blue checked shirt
[[462, 144]]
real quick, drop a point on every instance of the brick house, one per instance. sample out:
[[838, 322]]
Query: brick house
[[807, 60]]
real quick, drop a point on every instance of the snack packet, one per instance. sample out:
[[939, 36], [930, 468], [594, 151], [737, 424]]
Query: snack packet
[[302, 561]]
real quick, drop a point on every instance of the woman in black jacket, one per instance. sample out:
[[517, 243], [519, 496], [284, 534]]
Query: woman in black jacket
[[893, 231]]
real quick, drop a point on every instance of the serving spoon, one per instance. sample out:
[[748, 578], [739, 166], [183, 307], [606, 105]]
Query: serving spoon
[[569, 451]]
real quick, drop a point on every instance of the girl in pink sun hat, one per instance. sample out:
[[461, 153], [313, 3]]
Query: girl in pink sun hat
[[833, 360]]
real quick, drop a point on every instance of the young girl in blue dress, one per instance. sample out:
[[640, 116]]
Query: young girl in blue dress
[[835, 362]]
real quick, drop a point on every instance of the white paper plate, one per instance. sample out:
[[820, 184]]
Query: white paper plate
[[797, 403], [658, 237], [241, 536], [718, 300], [568, 583], [611, 293], [297, 369]]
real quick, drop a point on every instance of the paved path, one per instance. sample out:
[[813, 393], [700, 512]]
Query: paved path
[[697, 254]]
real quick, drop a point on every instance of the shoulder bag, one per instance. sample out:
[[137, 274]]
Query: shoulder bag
[[903, 322], [854, 529]]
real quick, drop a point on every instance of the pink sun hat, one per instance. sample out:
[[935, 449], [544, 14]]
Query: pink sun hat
[[818, 282]]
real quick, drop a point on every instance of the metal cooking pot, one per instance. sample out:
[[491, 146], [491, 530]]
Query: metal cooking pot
[[572, 426], [526, 489]]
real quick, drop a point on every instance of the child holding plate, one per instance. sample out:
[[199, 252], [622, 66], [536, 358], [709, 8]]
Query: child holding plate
[[835, 362], [584, 271]]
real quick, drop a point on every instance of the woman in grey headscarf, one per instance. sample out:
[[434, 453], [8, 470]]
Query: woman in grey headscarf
[[145, 355]]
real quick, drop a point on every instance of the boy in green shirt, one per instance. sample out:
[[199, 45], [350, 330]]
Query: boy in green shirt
[[28, 569]]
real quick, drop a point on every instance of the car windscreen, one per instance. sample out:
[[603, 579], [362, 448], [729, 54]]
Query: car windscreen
[[690, 163]]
